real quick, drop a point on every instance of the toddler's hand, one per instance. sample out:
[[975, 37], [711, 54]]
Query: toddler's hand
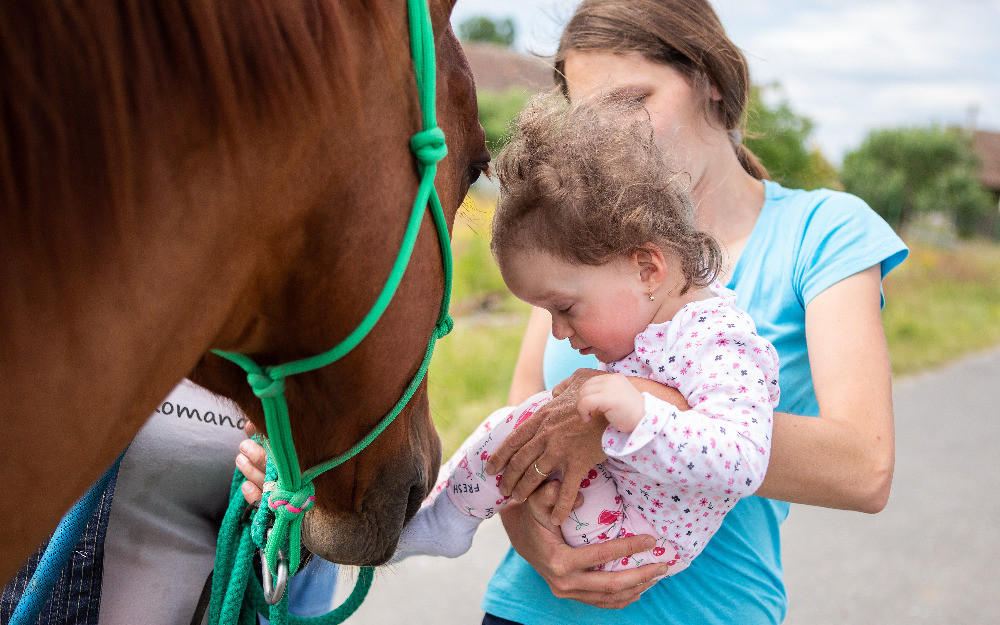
[[615, 398], [252, 463]]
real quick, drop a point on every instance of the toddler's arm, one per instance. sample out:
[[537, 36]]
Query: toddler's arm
[[614, 397], [729, 375]]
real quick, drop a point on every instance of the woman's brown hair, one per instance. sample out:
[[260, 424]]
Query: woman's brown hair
[[586, 182], [685, 34]]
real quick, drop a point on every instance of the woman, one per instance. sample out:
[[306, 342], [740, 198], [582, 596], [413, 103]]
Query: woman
[[807, 266]]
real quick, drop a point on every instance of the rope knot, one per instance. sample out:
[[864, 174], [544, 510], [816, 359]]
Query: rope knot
[[291, 504], [444, 326], [264, 386], [429, 146]]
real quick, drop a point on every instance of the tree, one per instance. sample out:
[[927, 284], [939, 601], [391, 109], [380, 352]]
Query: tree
[[779, 138], [904, 172], [485, 30]]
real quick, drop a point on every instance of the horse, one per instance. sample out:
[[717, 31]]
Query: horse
[[196, 175]]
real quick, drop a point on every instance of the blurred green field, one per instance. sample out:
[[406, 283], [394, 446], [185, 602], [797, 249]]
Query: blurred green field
[[943, 302]]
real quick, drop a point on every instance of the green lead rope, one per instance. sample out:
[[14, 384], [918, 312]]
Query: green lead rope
[[237, 596]]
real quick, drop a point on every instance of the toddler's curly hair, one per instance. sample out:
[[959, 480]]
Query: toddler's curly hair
[[587, 182]]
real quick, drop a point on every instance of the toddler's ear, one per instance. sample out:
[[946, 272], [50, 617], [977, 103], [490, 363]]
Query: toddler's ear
[[650, 263]]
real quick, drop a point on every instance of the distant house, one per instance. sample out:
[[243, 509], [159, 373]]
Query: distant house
[[497, 68]]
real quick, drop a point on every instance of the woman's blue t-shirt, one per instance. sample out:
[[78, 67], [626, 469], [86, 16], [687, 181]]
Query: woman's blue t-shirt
[[803, 243]]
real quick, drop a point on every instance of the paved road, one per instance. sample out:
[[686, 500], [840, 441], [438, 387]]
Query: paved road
[[930, 558]]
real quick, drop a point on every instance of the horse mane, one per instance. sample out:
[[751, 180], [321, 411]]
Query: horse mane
[[100, 102]]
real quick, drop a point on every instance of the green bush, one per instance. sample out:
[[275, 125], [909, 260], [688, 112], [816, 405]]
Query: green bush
[[497, 109], [906, 172]]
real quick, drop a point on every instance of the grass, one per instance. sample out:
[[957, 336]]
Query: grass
[[943, 302], [471, 370]]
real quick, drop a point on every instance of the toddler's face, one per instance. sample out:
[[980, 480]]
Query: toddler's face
[[600, 309]]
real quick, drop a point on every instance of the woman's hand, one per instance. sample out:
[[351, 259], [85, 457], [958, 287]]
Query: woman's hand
[[567, 569], [252, 463], [554, 438]]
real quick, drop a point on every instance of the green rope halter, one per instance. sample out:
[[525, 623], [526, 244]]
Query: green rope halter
[[294, 492]]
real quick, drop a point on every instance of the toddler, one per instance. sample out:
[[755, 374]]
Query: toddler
[[593, 227]]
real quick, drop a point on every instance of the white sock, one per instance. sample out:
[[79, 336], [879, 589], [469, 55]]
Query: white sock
[[438, 529]]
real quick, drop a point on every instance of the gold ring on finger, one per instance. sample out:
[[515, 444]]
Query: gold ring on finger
[[538, 471]]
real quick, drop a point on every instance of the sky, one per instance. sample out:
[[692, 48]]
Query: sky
[[850, 66]]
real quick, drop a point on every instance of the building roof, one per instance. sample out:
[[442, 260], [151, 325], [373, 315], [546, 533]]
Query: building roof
[[987, 146], [496, 68]]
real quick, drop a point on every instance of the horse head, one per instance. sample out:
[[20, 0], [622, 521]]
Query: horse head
[[327, 280], [182, 177]]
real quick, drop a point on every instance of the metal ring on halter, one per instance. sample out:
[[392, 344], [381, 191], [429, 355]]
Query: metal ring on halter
[[535, 464], [273, 590]]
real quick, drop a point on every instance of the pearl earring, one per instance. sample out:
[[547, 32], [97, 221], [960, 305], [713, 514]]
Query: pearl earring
[[651, 298]]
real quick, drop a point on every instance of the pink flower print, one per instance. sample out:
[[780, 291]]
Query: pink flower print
[[722, 342], [741, 389], [608, 517]]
